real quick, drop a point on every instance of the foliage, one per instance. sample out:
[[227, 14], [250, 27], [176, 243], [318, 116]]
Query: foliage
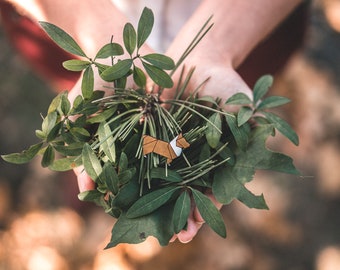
[[104, 134]]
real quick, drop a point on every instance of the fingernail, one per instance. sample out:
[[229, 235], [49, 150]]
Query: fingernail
[[200, 222], [185, 241]]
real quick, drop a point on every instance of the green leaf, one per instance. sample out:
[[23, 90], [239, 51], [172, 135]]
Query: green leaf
[[205, 152], [78, 101], [55, 103], [126, 196], [243, 115], [117, 71], [73, 149], [121, 82], [107, 142], [108, 50], [64, 40], [181, 211], [159, 60], [126, 175], [94, 196], [87, 108], [136, 230], [87, 83], [123, 162], [90, 195], [65, 105], [272, 101], [79, 121], [102, 116], [41, 135], [159, 76], [49, 122], [226, 187], [101, 67], [209, 213], [261, 120], [80, 134], [91, 163], [240, 134], [60, 104], [266, 159], [238, 99], [54, 132], [68, 137], [257, 156], [226, 153], [131, 146], [168, 175], [129, 38], [23, 157], [213, 131], [110, 177], [282, 126], [48, 157], [145, 25], [208, 99], [139, 76], [76, 65], [150, 202], [97, 94], [65, 164], [261, 87]]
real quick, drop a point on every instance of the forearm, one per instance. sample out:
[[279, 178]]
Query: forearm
[[89, 22], [238, 27]]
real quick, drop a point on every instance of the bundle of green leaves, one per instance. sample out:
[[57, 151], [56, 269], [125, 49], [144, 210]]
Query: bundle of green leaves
[[147, 195]]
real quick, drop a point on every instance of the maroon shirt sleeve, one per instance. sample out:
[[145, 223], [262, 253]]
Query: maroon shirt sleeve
[[270, 56]]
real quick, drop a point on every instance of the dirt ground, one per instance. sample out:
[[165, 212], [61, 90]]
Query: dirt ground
[[44, 226]]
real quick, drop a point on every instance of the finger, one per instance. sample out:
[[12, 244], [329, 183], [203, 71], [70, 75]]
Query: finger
[[194, 222], [150, 86], [196, 214], [84, 181], [173, 238], [185, 236]]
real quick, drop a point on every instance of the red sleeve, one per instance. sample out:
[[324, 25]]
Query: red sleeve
[[32, 43], [270, 56]]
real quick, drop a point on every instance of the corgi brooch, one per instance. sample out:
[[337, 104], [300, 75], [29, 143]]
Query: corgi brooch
[[170, 150]]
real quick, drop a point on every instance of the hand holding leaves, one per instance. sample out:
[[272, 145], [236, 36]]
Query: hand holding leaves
[[105, 135]]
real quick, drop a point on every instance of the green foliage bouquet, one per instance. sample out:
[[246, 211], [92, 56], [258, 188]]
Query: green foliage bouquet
[[114, 138]]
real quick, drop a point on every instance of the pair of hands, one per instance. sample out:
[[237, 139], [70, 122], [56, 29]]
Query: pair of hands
[[216, 57], [223, 82], [212, 59]]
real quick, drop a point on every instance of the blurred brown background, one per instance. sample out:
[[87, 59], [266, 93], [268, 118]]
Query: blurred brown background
[[44, 226]]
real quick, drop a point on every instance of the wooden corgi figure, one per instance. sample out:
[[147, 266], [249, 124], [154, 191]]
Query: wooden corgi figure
[[170, 150]]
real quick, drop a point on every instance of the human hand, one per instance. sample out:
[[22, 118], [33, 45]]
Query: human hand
[[220, 81], [194, 222], [223, 82]]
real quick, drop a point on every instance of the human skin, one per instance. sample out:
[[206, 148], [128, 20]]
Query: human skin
[[239, 26]]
